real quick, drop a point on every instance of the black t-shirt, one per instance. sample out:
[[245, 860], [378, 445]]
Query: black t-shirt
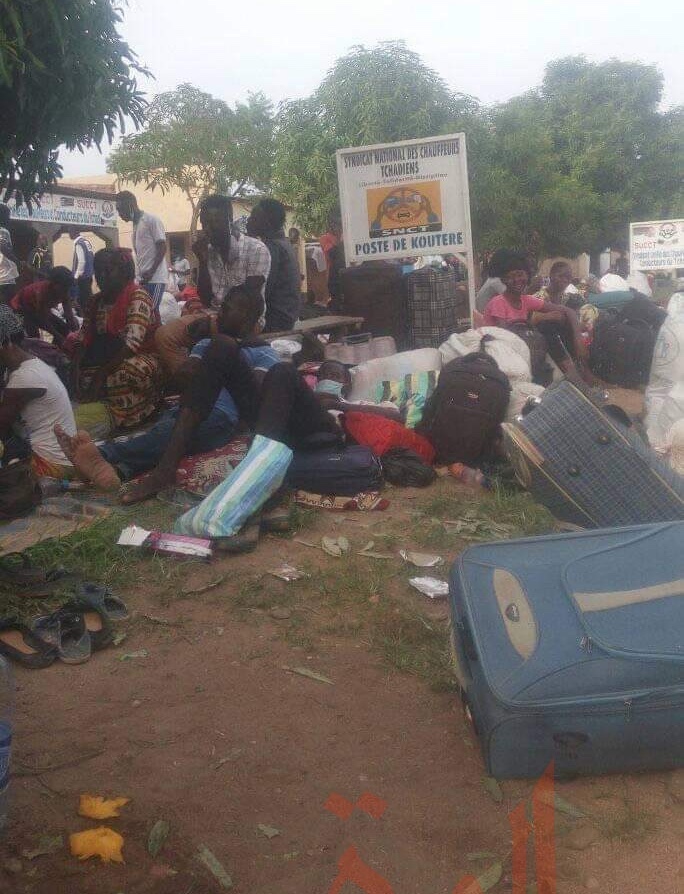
[[283, 290]]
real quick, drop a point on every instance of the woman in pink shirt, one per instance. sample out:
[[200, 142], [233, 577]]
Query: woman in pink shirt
[[558, 324]]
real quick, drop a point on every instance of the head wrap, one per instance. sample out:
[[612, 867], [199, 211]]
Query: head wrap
[[10, 324]]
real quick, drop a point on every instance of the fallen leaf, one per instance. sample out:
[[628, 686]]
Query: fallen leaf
[[492, 787], [99, 842], [162, 870], [335, 546], [420, 560], [482, 855], [194, 591], [205, 856], [119, 638], [372, 554], [268, 831], [157, 837], [312, 675], [234, 755], [97, 807], [47, 844], [486, 879], [563, 806], [129, 656]]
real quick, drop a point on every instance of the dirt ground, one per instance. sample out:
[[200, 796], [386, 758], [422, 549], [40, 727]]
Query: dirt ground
[[214, 730]]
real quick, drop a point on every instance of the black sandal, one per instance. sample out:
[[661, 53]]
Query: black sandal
[[29, 580], [66, 631], [20, 644]]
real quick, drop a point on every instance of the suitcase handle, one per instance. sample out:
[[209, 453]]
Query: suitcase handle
[[361, 338], [467, 640]]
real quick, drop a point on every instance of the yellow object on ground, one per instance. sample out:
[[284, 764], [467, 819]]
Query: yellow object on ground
[[100, 842], [97, 807]]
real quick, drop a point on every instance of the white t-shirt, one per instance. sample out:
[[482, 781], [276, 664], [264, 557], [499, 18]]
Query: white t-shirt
[[146, 232], [40, 416], [8, 269]]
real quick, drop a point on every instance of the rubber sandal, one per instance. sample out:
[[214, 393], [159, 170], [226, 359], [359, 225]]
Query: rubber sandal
[[30, 580], [245, 541], [19, 643], [102, 600], [97, 623], [66, 631]]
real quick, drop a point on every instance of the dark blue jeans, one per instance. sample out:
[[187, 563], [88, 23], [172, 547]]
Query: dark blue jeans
[[143, 452]]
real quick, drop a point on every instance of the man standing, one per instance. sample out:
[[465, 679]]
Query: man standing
[[82, 267], [8, 260], [226, 261], [283, 293], [149, 246]]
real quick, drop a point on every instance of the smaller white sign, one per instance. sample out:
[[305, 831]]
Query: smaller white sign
[[55, 207], [656, 245]]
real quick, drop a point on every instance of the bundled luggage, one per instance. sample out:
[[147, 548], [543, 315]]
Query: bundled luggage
[[588, 467], [436, 306], [462, 418], [569, 649], [342, 472], [376, 291]]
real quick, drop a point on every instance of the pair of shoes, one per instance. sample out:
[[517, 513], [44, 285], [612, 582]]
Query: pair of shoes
[[71, 633], [245, 541]]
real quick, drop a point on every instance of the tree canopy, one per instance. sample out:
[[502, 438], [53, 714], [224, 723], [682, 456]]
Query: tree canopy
[[200, 145], [376, 95], [560, 169], [66, 77]]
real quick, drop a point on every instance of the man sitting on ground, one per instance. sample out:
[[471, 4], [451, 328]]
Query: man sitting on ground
[[34, 398], [111, 463]]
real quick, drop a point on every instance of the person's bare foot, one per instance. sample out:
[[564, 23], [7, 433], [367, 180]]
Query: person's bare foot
[[89, 463], [146, 487]]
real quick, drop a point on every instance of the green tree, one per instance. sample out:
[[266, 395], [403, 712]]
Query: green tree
[[200, 145], [66, 77], [578, 158], [382, 94]]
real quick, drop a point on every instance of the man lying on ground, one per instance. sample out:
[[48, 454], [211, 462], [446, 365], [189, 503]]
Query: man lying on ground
[[33, 397], [111, 463]]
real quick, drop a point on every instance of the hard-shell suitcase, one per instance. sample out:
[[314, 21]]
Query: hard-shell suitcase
[[376, 291], [436, 307], [588, 468], [570, 648]]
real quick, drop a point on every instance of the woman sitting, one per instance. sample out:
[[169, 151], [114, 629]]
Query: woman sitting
[[558, 324], [114, 360], [37, 302]]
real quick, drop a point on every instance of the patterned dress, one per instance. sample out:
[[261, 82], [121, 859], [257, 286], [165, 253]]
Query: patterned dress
[[134, 389]]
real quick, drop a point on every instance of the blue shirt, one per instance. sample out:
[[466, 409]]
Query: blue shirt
[[258, 357]]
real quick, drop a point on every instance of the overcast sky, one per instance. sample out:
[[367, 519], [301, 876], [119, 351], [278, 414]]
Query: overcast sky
[[492, 50]]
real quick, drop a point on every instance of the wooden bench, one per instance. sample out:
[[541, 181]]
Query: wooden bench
[[337, 326]]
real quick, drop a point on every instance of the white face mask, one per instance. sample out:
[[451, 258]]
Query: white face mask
[[329, 386]]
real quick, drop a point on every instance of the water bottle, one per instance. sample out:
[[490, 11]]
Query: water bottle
[[52, 487], [466, 475], [6, 710]]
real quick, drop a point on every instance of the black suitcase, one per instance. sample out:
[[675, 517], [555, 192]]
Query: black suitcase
[[435, 305], [622, 346], [587, 467], [335, 472], [376, 291]]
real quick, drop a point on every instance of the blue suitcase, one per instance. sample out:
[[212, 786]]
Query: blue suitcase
[[570, 648], [588, 468]]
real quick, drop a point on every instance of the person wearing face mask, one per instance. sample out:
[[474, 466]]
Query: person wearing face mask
[[557, 323], [334, 383]]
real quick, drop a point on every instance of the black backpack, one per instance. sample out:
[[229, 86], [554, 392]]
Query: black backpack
[[463, 415]]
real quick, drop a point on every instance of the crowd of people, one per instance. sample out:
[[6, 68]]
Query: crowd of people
[[214, 357]]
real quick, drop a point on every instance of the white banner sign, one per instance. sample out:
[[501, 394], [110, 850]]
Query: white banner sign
[[58, 208], [656, 245], [405, 199]]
